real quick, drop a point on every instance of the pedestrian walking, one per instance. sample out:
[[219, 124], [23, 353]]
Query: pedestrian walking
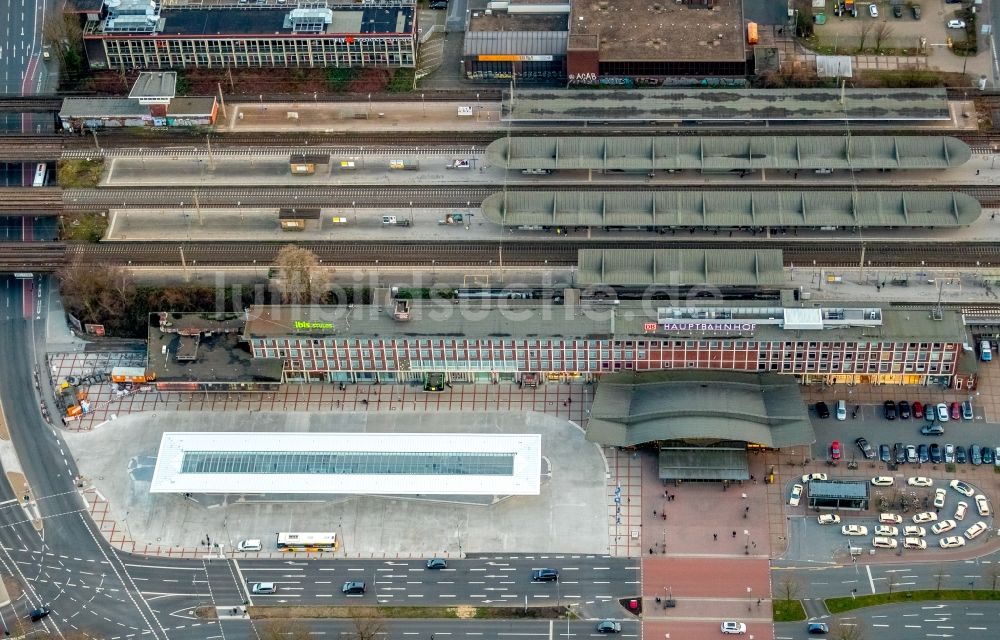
[[715, 537], [734, 534]]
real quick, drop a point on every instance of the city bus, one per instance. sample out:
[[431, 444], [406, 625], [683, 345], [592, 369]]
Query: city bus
[[307, 541], [41, 173]]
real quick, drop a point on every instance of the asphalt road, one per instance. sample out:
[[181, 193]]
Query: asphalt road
[[20, 50], [937, 620], [594, 582], [477, 629]]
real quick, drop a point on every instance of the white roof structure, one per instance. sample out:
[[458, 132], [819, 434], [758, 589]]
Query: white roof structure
[[348, 463]]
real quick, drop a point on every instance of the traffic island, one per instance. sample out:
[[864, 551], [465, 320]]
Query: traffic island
[[840, 605], [456, 613]]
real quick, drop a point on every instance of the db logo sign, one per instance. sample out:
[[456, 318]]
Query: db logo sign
[[649, 326]]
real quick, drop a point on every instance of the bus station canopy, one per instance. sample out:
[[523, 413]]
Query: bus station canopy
[[728, 153], [747, 209], [348, 463]]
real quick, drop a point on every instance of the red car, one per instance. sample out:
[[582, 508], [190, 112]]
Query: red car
[[918, 410], [835, 450], [956, 411]]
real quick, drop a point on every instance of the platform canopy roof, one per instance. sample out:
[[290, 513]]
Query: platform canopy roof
[[679, 267], [689, 208], [734, 106], [728, 153], [348, 463], [635, 408]]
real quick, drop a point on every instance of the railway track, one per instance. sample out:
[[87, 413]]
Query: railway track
[[28, 200], [33, 257], [516, 254], [421, 195]]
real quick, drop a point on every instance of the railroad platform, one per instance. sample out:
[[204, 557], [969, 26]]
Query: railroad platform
[[365, 223]]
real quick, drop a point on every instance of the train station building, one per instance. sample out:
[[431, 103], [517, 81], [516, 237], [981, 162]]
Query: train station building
[[529, 342]]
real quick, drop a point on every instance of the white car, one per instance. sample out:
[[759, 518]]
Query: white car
[[796, 495], [942, 412], [944, 525], [962, 488], [951, 542], [873, 10], [828, 518], [813, 476], [982, 505], [975, 530], [956, 24], [913, 531], [882, 481], [914, 543], [960, 510], [884, 543], [854, 530], [886, 530], [939, 496], [889, 518], [926, 516], [731, 626], [919, 481]]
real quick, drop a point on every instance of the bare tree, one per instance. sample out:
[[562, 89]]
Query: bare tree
[[61, 32], [283, 630], [788, 588], [368, 625], [882, 32], [864, 30], [94, 292], [298, 269]]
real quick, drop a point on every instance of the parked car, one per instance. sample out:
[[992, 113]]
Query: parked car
[[882, 542], [899, 452], [975, 530], [39, 613], [923, 453], [873, 10], [988, 457], [932, 430], [841, 410], [916, 11], [890, 518], [828, 518], [904, 410], [951, 542], [918, 410], [914, 543], [960, 456], [822, 410], [936, 456], [956, 24], [982, 505], [886, 530], [835, 450], [924, 517], [809, 477], [897, 11], [889, 409], [866, 449], [920, 481], [942, 412], [975, 454], [961, 509], [996, 457], [939, 497], [796, 495], [884, 454], [943, 526], [967, 411], [854, 530], [962, 488], [956, 411], [914, 531], [882, 481], [911, 454], [949, 453]]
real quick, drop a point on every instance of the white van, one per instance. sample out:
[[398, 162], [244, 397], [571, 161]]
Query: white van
[[985, 351], [249, 545], [263, 588], [841, 410]]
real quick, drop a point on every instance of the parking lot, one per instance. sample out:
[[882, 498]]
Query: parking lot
[[887, 31]]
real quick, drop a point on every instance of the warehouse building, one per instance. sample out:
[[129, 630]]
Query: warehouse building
[[145, 34]]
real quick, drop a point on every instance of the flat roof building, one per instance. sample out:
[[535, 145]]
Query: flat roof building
[[494, 341], [525, 42], [646, 267], [348, 463], [143, 34]]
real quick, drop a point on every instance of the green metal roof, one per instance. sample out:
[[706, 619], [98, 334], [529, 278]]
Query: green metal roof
[[722, 153], [692, 208], [718, 104], [722, 267], [636, 408]]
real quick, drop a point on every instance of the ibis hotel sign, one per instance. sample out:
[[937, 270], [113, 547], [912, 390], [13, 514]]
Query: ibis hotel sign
[[303, 325], [727, 326]]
